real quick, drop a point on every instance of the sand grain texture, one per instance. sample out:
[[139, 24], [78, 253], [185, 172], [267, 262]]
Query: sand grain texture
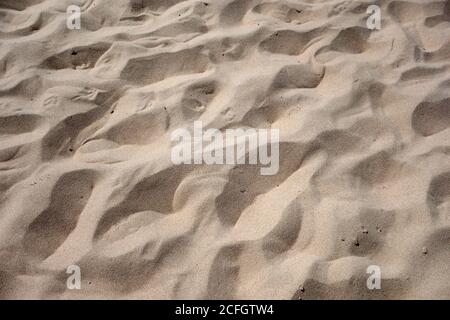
[[85, 170]]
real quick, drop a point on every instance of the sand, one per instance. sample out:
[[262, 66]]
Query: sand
[[86, 177]]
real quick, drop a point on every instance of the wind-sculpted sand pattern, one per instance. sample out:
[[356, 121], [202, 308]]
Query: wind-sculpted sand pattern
[[86, 176]]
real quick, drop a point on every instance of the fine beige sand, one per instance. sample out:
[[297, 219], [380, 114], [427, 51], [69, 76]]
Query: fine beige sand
[[86, 176]]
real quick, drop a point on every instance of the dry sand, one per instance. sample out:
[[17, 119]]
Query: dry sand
[[86, 177]]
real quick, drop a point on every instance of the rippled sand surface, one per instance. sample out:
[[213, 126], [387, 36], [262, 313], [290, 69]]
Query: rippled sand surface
[[86, 176]]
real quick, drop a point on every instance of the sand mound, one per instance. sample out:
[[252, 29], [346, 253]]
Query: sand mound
[[86, 176]]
